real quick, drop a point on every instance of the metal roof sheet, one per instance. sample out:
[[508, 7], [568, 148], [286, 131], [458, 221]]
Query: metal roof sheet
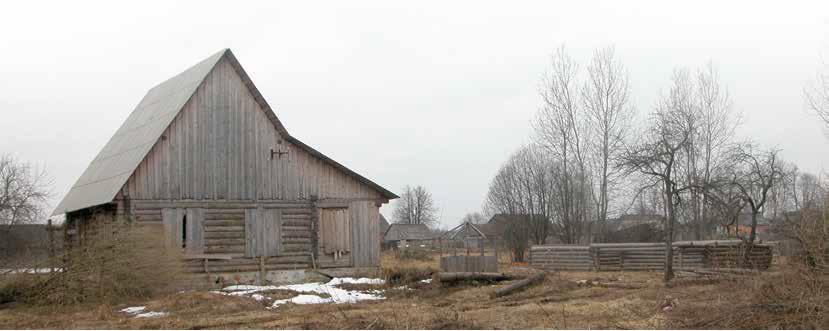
[[108, 172]]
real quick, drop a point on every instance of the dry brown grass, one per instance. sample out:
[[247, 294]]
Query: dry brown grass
[[128, 263], [792, 298], [775, 299]]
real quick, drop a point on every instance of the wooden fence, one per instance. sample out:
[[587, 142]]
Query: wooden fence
[[469, 263], [649, 256]]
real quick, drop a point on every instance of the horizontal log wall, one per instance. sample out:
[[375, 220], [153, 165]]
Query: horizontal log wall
[[645, 257], [224, 233]]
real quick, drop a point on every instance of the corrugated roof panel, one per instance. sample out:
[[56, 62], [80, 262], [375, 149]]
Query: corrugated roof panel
[[113, 166]]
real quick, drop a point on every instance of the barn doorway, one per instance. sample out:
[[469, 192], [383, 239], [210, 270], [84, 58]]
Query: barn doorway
[[335, 237]]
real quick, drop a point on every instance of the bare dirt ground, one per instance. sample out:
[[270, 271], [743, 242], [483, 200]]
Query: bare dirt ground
[[558, 303]]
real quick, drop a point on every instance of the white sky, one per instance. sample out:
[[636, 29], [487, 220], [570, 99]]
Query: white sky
[[416, 92]]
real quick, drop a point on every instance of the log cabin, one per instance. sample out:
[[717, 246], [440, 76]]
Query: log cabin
[[205, 158]]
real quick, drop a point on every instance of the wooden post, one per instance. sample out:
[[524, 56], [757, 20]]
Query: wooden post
[[594, 253], [495, 247], [261, 270], [622, 261], [51, 245], [314, 228], [680, 258], [440, 243]]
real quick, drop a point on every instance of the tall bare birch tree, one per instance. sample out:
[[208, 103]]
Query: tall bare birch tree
[[608, 111], [560, 130], [717, 124]]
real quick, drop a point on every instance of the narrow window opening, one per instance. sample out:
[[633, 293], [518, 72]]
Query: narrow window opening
[[184, 232]]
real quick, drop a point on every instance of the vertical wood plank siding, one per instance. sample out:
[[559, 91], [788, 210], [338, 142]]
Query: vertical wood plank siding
[[219, 147], [214, 165], [365, 224]]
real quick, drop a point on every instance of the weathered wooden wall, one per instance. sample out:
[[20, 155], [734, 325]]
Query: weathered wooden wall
[[216, 156], [469, 263], [219, 148], [365, 223]]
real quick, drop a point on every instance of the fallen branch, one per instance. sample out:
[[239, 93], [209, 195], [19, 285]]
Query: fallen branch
[[622, 285], [519, 285], [448, 277]]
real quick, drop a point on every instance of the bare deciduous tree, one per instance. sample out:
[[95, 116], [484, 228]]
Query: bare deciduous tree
[[23, 192], [474, 218], [715, 130], [522, 187], [560, 130], [816, 94], [415, 206], [660, 153], [806, 220], [608, 111], [758, 171]]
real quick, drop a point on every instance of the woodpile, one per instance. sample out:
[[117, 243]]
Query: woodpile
[[562, 257], [650, 256]]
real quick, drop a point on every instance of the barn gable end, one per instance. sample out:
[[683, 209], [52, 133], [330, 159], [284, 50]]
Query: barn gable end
[[223, 146]]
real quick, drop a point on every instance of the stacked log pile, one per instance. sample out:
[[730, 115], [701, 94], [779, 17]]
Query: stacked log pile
[[650, 256], [563, 257]]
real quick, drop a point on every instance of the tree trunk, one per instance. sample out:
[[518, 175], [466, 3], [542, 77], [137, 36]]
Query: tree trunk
[[669, 234], [509, 289]]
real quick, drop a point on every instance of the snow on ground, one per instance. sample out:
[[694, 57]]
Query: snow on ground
[[29, 271], [138, 312], [133, 310], [334, 294], [151, 314]]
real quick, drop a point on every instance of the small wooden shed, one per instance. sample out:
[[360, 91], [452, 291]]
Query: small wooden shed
[[408, 235], [204, 157]]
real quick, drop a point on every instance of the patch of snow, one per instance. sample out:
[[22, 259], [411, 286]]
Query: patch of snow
[[426, 281], [133, 310], [151, 314], [29, 271], [349, 280], [138, 312], [335, 295]]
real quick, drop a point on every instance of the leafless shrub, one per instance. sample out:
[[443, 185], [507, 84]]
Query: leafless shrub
[[117, 263], [404, 275], [413, 254], [793, 299]]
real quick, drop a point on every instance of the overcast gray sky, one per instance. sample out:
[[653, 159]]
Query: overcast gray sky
[[416, 92]]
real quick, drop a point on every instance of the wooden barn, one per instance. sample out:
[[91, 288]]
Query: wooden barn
[[204, 157]]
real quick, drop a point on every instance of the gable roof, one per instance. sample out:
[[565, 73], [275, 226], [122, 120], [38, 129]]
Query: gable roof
[[115, 163], [384, 224], [465, 230], [400, 231]]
